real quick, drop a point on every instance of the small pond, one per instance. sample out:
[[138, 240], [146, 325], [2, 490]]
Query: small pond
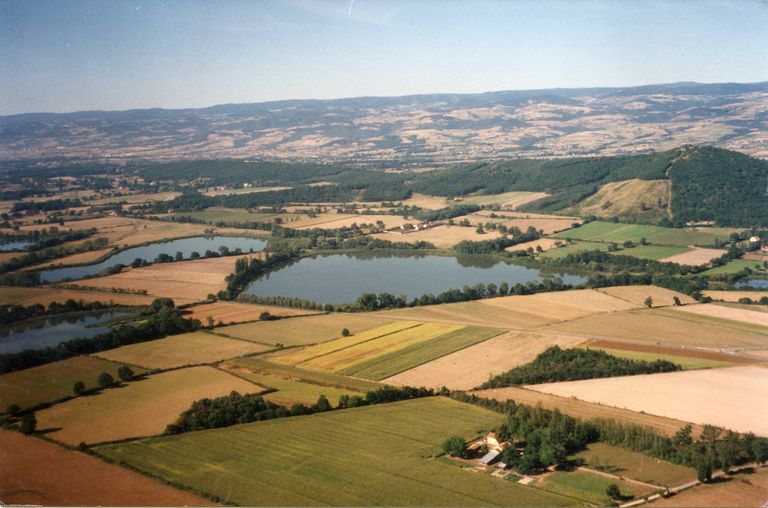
[[755, 283], [39, 333], [341, 278], [149, 252], [14, 245]]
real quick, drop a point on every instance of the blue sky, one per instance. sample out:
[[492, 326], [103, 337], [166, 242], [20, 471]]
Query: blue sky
[[69, 55]]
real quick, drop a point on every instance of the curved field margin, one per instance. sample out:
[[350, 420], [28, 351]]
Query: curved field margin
[[733, 397], [34, 471]]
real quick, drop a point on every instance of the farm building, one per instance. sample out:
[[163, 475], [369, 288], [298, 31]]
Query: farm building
[[490, 457]]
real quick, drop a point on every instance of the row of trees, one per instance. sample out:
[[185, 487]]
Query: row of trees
[[236, 408], [498, 244], [555, 365], [10, 314]]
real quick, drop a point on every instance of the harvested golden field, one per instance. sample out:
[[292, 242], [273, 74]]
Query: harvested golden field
[[472, 366], [343, 221], [638, 294], [441, 236], [425, 201], [53, 381], [548, 226], [693, 357], [656, 325], [36, 472], [735, 296], [721, 311], [629, 197], [138, 408], [743, 489], [235, 312], [697, 256], [544, 243], [300, 331], [45, 295], [179, 350], [296, 356], [733, 397], [586, 410], [81, 258], [135, 198], [184, 281], [521, 312], [511, 200], [344, 358]]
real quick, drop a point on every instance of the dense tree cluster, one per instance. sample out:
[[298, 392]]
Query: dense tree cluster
[[45, 206], [497, 244], [161, 321], [555, 364]]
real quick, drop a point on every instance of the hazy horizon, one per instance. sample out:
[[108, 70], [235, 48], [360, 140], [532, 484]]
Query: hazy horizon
[[119, 55]]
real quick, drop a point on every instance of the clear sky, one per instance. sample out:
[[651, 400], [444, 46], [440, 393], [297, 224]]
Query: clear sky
[[69, 55]]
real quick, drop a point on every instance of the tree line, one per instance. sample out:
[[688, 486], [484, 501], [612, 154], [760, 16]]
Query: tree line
[[555, 365], [10, 314]]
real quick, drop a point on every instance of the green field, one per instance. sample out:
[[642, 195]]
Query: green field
[[652, 251], [375, 455], [290, 392], [390, 364], [611, 232], [733, 266], [261, 366], [229, 215], [573, 248], [636, 466], [686, 362], [589, 487], [53, 381], [301, 331], [618, 232]]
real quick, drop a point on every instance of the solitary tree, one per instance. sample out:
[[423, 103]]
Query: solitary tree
[[125, 373], [345, 332], [78, 388], [105, 379], [648, 302], [613, 491], [677, 301], [13, 410], [322, 404], [455, 446], [28, 423]]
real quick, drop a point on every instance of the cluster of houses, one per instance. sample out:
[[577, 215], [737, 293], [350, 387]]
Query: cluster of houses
[[757, 240]]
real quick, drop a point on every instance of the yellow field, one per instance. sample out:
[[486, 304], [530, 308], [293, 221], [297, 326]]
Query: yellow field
[[425, 201], [184, 281], [740, 490], [136, 198], [695, 257], [520, 312], [342, 221], [744, 315], [234, 312], [638, 294], [472, 366], [511, 200], [297, 356], [44, 296], [699, 396], [549, 226], [361, 352], [178, 350], [300, 331], [587, 410], [441, 236], [636, 197], [734, 296], [657, 325], [81, 258], [140, 408], [544, 243]]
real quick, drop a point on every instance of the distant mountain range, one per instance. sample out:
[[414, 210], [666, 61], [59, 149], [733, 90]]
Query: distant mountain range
[[412, 131]]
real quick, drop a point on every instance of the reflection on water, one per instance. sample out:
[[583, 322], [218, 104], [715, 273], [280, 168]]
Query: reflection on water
[[341, 278]]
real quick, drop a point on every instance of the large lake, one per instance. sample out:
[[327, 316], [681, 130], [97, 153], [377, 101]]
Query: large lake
[[53, 330], [341, 278], [149, 252]]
